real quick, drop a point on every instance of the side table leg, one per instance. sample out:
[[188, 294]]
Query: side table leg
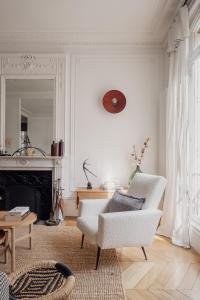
[[13, 249], [30, 237], [77, 200]]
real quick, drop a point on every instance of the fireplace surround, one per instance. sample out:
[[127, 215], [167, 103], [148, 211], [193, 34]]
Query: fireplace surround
[[28, 181], [27, 188]]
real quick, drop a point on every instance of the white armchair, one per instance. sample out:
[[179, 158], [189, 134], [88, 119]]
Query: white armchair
[[128, 228]]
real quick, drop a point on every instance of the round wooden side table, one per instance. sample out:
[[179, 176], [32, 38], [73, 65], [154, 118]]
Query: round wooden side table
[[12, 225]]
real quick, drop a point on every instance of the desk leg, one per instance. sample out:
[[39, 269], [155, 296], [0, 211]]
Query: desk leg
[[30, 237], [13, 249], [77, 201]]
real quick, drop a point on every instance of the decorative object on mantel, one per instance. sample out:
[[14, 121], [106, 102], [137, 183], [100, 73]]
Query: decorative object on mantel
[[8, 143], [56, 215], [3, 153], [61, 148], [85, 170], [138, 159], [54, 149], [57, 149], [114, 101], [28, 149]]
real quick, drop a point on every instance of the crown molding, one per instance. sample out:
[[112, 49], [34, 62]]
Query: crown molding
[[20, 41], [161, 27], [194, 11], [71, 36], [76, 38]]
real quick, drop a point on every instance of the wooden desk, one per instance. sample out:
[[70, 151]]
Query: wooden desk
[[95, 193], [12, 225]]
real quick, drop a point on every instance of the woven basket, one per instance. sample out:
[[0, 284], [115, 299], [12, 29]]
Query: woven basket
[[59, 293]]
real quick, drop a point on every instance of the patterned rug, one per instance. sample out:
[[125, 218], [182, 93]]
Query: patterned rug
[[62, 243]]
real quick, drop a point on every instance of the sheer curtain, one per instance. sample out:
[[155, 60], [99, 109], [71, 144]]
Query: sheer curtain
[[175, 221], [194, 66]]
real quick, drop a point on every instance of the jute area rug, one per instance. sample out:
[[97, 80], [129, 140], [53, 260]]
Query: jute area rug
[[62, 243]]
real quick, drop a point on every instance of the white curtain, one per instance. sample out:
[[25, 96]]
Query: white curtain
[[175, 221], [194, 69]]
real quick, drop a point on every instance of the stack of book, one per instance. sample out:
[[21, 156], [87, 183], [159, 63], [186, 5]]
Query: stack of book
[[18, 213]]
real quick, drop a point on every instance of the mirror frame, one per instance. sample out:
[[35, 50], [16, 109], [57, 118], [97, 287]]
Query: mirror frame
[[3, 103], [44, 67]]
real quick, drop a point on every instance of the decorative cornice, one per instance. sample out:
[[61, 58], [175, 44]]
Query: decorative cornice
[[93, 34], [28, 64], [28, 61], [62, 39]]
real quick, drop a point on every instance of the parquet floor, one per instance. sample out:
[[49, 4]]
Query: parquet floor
[[171, 273]]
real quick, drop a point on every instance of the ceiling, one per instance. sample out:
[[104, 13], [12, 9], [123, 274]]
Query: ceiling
[[78, 22]]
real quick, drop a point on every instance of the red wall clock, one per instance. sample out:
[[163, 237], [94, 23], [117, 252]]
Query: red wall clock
[[114, 101]]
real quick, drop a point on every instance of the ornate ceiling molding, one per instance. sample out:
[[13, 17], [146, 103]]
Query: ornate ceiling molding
[[80, 38], [28, 64], [151, 32]]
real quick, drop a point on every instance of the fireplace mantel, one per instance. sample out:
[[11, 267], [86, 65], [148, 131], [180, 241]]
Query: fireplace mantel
[[30, 162], [35, 163]]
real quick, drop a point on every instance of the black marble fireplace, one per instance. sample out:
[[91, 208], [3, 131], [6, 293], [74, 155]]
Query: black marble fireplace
[[27, 188]]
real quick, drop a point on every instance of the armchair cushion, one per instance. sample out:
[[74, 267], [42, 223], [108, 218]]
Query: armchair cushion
[[125, 202]]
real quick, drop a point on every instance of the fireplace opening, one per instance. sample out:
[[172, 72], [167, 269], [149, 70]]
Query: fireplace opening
[[27, 188]]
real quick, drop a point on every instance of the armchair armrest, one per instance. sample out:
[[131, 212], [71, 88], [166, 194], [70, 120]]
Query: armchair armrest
[[93, 207], [131, 228]]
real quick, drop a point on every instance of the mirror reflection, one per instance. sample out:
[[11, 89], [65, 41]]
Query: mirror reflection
[[29, 114]]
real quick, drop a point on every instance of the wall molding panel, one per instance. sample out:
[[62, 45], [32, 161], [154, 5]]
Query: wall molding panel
[[78, 63]]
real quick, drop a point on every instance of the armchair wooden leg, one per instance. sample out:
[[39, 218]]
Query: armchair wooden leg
[[97, 259], [82, 240], [144, 253]]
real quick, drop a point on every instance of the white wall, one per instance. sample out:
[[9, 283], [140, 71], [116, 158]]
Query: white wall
[[107, 139]]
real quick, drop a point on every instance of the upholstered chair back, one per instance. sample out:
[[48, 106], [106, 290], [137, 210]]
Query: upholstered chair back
[[150, 187]]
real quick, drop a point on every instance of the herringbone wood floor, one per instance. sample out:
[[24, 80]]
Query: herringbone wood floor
[[171, 273]]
